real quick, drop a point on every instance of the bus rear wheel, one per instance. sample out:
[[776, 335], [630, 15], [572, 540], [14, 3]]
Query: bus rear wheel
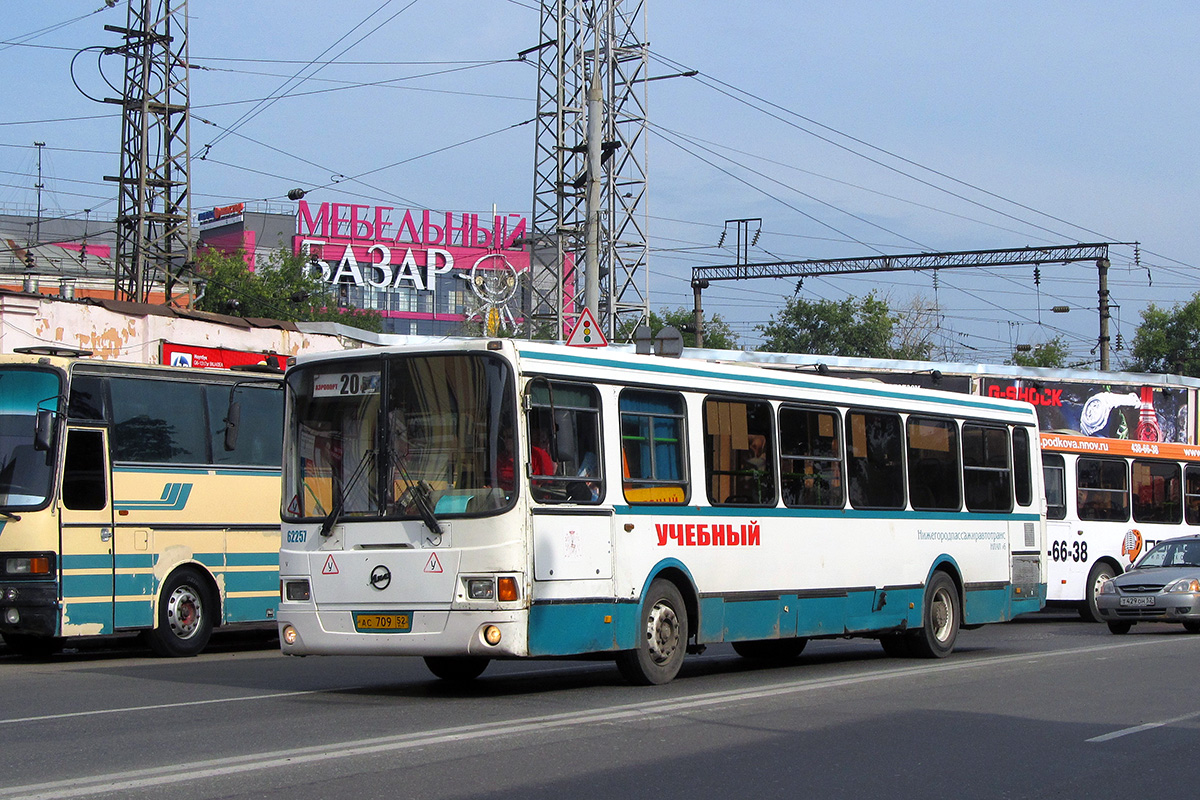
[[458, 669], [940, 618], [185, 616], [777, 650], [662, 638]]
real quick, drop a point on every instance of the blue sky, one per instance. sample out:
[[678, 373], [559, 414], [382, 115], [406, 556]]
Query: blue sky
[[974, 125]]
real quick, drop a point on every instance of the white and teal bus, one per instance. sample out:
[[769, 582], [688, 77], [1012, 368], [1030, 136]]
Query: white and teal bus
[[130, 502], [483, 499]]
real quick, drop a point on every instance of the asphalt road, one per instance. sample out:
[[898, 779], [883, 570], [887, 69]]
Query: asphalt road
[[1046, 706]]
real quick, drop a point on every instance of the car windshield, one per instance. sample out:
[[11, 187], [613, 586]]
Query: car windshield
[[401, 436], [24, 472], [1182, 553]]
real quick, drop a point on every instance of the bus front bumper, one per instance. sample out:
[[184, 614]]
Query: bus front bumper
[[29, 609], [305, 631]]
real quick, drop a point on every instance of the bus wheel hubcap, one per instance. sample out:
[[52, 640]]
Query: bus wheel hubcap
[[940, 616], [183, 611], [662, 632]]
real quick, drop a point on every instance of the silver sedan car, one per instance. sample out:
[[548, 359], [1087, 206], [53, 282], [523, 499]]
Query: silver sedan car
[[1163, 586]]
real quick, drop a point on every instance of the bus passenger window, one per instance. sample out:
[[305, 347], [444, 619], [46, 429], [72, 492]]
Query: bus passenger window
[[875, 461], [653, 451], [1022, 472], [1191, 477], [933, 464], [1102, 489], [564, 443], [987, 476], [85, 476], [738, 455], [1054, 474], [810, 450], [1156, 492]]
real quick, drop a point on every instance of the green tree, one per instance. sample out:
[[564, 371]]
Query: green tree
[[1053, 353], [1168, 341], [283, 288], [717, 333], [859, 327]]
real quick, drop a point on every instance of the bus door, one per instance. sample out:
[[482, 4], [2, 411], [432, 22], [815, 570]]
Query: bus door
[[86, 534]]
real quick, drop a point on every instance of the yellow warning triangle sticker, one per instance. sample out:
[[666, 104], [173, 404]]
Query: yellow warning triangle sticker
[[330, 567], [586, 332], [433, 565]]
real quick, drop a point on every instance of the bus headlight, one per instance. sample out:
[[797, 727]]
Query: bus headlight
[[27, 565], [481, 589], [12, 616], [289, 635]]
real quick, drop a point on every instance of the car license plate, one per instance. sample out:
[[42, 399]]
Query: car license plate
[[1137, 601], [395, 622]]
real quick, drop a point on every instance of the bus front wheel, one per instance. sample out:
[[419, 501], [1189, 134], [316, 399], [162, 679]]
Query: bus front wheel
[[457, 669], [662, 638], [940, 619], [185, 616]]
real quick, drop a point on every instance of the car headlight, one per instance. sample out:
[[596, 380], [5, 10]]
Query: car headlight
[[1108, 587], [1183, 585]]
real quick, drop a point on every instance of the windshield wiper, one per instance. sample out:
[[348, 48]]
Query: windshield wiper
[[420, 491], [339, 502]]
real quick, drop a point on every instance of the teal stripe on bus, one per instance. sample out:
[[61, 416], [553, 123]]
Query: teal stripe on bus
[[268, 559], [767, 378], [87, 586], [136, 560], [77, 561], [264, 581], [134, 614], [141, 583]]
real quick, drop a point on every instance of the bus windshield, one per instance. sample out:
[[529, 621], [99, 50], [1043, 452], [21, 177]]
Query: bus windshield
[[24, 472], [401, 437]]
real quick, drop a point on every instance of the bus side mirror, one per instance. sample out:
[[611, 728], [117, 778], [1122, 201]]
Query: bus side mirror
[[233, 418], [43, 430]]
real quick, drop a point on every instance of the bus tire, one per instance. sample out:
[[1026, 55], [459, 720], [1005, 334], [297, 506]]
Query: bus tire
[[1101, 572], [185, 616], [1120, 627], [662, 638], [1191, 627], [778, 650], [940, 619], [457, 669]]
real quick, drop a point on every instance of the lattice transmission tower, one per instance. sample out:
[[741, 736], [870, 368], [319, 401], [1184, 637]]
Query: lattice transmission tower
[[582, 39], [154, 207]]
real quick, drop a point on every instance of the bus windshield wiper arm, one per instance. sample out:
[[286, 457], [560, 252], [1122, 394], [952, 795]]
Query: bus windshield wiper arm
[[420, 491], [339, 502]]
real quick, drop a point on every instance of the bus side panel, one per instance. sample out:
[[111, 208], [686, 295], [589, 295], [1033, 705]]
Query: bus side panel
[[170, 517], [560, 629], [250, 582]]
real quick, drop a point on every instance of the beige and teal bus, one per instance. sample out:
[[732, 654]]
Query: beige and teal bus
[[135, 498]]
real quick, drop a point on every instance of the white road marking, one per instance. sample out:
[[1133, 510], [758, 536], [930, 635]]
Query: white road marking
[[257, 762], [1139, 728]]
